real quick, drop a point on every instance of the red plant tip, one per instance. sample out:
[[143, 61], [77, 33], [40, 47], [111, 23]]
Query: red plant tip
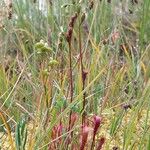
[[69, 34], [85, 72], [84, 134], [70, 27], [101, 143], [72, 20], [97, 122]]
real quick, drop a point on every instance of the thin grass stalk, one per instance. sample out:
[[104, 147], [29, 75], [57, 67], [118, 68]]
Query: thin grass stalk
[[68, 38], [71, 82], [8, 131], [82, 75]]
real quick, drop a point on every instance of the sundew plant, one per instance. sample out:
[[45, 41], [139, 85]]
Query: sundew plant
[[74, 74]]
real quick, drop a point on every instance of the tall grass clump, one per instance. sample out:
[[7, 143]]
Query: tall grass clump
[[74, 74]]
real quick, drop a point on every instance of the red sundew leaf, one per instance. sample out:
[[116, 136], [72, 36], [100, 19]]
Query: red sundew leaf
[[101, 143], [84, 134], [97, 122]]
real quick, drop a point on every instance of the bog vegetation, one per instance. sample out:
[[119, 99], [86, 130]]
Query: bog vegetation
[[75, 75]]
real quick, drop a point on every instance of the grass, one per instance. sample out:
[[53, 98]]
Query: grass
[[74, 75]]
